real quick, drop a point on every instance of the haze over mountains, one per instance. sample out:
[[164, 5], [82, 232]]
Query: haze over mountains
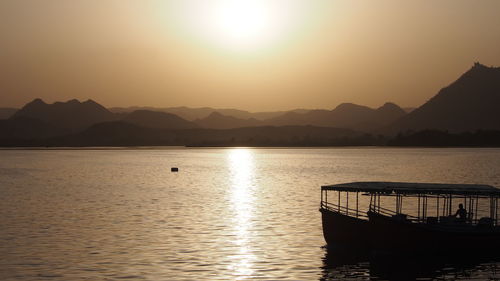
[[192, 114], [217, 120], [157, 120], [346, 115], [468, 104], [74, 116]]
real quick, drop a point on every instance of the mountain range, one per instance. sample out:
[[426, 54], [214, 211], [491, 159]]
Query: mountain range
[[346, 115], [119, 133], [192, 114], [158, 120], [72, 115], [470, 103], [217, 120]]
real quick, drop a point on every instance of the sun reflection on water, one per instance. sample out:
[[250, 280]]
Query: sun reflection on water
[[242, 173]]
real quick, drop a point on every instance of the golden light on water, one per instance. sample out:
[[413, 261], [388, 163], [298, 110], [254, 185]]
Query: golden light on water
[[242, 168], [242, 173]]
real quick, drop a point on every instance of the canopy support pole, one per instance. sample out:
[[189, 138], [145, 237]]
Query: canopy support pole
[[347, 203], [338, 205], [357, 203], [437, 206], [418, 206], [449, 206]]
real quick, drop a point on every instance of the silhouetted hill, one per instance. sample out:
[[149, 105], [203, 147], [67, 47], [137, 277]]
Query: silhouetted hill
[[121, 133], [470, 103], [113, 133], [437, 138], [159, 120], [7, 112], [317, 117], [203, 112], [192, 114], [218, 121], [346, 115], [388, 113], [72, 115], [271, 136], [409, 109], [21, 128]]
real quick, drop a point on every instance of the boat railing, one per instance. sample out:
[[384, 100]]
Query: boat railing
[[430, 208], [343, 210], [429, 219], [392, 213]]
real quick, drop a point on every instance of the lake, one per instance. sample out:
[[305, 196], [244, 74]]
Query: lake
[[228, 214]]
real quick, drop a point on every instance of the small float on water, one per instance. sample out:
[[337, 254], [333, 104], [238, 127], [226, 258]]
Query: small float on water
[[411, 217]]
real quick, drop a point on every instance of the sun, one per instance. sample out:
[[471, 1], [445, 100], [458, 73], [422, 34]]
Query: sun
[[241, 24]]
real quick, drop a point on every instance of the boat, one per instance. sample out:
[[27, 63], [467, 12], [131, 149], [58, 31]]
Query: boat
[[411, 217]]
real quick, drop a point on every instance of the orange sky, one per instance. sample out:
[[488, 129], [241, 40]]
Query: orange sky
[[273, 55]]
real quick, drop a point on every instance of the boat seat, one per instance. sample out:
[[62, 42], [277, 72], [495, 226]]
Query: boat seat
[[485, 222], [432, 220], [446, 219], [400, 217]]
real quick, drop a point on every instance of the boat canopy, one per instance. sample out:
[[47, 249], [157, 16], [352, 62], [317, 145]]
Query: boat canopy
[[416, 188]]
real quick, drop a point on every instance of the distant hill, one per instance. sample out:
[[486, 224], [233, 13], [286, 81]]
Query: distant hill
[[186, 113], [434, 138], [21, 128], [218, 121], [193, 114], [346, 115], [7, 112], [203, 112], [470, 103], [315, 117], [388, 113], [158, 120], [119, 133], [71, 115]]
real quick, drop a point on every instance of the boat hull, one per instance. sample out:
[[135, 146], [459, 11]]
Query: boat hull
[[389, 235], [342, 231], [385, 235]]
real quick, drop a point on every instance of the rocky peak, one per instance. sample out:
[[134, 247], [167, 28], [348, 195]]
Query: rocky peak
[[35, 102], [389, 106]]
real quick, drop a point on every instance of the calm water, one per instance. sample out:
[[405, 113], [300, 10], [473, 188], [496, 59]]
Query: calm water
[[228, 214]]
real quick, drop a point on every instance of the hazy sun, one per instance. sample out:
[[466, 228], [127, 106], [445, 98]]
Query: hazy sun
[[241, 21], [241, 24]]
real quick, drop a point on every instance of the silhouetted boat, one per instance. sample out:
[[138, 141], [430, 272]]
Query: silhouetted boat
[[430, 226], [352, 264]]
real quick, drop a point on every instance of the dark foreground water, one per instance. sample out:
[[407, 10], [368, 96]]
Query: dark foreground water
[[228, 214]]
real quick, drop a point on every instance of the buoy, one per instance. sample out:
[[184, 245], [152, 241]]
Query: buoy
[[174, 169]]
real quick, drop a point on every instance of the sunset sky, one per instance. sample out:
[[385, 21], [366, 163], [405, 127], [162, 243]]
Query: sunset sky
[[249, 54]]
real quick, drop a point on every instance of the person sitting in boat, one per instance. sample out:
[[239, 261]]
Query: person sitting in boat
[[461, 213]]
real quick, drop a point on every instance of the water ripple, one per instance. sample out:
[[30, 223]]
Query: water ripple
[[229, 214]]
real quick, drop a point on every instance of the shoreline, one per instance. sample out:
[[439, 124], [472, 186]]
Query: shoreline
[[232, 147]]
